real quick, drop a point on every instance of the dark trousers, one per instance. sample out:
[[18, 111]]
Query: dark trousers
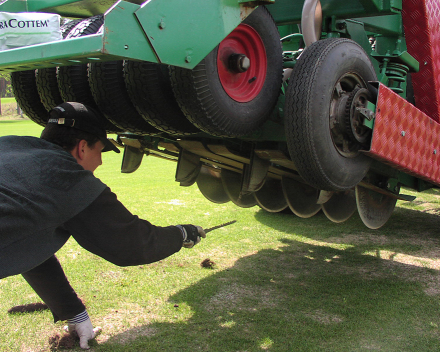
[[50, 283]]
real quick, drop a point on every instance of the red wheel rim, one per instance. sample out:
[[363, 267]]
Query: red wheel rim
[[242, 86]]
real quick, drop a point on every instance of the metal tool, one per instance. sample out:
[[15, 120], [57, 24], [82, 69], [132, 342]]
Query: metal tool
[[219, 226]]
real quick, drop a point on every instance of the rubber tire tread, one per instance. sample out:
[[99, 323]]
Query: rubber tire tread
[[46, 78], [307, 128], [204, 101], [26, 93], [24, 86], [106, 80], [149, 87], [73, 80]]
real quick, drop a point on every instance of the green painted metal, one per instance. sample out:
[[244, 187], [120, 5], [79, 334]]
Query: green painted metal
[[65, 8], [39, 5], [390, 25], [78, 50], [14, 6], [289, 11], [172, 32], [31, 5], [257, 2], [131, 42], [112, 44], [182, 33]]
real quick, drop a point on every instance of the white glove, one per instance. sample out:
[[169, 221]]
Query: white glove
[[81, 326]]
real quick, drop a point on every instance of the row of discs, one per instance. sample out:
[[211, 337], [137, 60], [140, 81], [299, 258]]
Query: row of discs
[[221, 186]]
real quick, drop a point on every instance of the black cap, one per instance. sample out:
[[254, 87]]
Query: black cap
[[83, 118]]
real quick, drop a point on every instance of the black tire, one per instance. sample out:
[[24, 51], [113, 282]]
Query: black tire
[[73, 80], [24, 86], [36, 102], [212, 106], [312, 91], [106, 80], [47, 87], [149, 87], [46, 78]]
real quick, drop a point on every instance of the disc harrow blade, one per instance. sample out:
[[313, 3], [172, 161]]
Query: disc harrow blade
[[232, 183], [340, 207], [211, 186], [374, 208], [271, 197], [301, 198]]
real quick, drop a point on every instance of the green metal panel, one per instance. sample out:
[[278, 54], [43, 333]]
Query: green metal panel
[[124, 36], [14, 6], [289, 11], [59, 53], [182, 33], [31, 5], [112, 44], [38, 5], [65, 8], [387, 25]]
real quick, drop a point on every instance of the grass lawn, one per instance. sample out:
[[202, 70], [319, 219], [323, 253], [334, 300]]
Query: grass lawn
[[280, 283]]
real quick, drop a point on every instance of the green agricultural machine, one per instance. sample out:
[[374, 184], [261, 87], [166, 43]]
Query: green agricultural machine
[[289, 105]]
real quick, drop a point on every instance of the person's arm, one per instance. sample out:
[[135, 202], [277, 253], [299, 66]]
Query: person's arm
[[50, 283], [107, 229]]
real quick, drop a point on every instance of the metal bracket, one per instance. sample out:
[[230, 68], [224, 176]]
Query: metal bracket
[[254, 174], [188, 168], [132, 159]]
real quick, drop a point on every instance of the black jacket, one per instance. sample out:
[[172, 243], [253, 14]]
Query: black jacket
[[46, 197]]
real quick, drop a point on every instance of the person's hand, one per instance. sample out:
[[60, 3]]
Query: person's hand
[[191, 235], [84, 329]]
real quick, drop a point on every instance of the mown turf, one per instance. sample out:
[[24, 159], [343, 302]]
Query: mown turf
[[281, 283]]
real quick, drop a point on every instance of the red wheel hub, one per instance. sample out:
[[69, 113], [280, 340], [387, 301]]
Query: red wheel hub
[[242, 63]]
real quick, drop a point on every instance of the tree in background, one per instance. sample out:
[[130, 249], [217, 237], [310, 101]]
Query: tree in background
[[5, 85]]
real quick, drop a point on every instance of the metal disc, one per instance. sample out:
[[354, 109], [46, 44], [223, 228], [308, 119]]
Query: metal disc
[[301, 198], [374, 208], [340, 207], [232, 184], [270, 197], [211, 186]]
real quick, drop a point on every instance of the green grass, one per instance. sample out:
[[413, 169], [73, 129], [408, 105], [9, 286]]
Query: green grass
[[8, 100], [281, 283]]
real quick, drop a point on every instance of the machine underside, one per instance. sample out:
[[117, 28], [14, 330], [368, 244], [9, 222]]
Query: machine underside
[[296, 106]]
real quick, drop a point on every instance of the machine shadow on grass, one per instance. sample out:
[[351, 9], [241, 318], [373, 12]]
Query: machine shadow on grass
[[323, 289]]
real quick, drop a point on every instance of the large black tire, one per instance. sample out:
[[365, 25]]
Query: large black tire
[[36, 91], [46, 78], [73, 80], [106, 80], [24, 86], [222, 109], [325, 71], [47, 86], [149, 87]]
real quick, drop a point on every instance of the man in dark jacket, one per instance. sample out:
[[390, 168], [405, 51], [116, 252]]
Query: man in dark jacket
[[48, 193]]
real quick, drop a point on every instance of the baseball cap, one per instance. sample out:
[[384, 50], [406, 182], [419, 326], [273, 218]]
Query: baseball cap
[[83, 118]]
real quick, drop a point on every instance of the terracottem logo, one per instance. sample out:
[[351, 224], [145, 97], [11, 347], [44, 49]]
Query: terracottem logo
[[14, 23]]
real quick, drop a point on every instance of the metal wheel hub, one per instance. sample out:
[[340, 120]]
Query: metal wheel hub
[[239, 63], [347, 131], [356, 130], [242, 63]]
